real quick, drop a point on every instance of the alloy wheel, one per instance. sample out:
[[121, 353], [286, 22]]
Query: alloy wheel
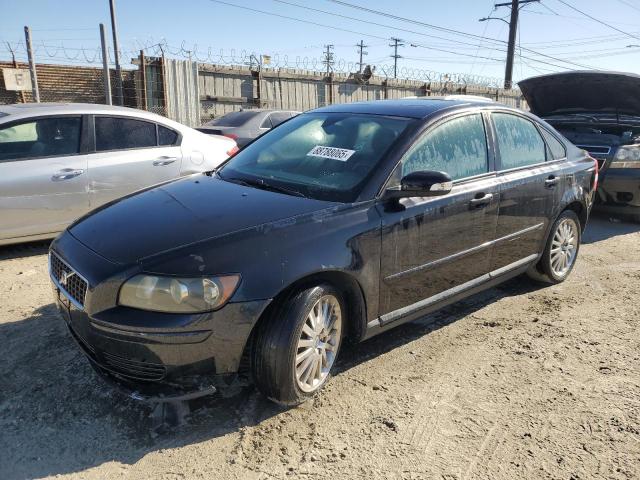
[[564, 247], [318, 343]]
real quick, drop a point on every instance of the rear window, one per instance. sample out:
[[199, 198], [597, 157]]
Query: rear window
[[117, 133], [233, 119], [278, 117]]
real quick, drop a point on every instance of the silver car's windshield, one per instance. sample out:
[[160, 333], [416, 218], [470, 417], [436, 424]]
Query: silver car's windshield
[[320, 155]]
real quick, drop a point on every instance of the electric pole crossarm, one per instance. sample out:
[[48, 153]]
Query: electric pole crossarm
[[513, 28]]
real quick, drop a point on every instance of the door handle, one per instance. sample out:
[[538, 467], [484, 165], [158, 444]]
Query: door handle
[[66, 174], [481, 201], [551, 182], [161, 161]]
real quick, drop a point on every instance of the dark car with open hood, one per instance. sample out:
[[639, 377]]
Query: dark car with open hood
[[599, 112], [341, 223]]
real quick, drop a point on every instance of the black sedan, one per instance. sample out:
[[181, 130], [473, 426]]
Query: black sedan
[[341, 223]]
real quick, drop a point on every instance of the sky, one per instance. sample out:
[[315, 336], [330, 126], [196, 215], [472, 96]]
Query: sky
[[552, 36]]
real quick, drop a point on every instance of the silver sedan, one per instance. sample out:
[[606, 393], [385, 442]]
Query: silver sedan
[[58, 161]]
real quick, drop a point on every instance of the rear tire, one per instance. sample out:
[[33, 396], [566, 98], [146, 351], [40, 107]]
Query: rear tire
[[561, 250], [296, 346]]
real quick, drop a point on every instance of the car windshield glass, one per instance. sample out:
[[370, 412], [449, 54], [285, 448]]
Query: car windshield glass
[[327, 156], [233, 119]]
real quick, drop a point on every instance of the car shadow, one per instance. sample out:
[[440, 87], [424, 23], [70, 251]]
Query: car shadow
[[57, 416], [9, 252], [602, 227]]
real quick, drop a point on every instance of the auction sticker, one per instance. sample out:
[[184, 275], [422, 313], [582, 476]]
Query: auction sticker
[[333, 153]]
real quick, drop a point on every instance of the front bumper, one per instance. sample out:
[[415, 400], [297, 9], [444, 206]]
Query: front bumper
[[621, 189], [167, 365], [151, 355]]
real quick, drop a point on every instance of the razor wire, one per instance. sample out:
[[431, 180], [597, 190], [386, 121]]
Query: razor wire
[[242, 58]]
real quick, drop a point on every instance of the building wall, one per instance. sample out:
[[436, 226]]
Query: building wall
[[64, 83]]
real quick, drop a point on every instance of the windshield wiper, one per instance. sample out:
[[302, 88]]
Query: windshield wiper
[[261, 184]]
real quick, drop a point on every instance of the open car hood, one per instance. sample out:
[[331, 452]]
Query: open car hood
[[583, 91]]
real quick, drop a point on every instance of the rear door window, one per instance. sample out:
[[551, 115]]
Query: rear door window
[[118, 133], [557, 150], [457, 147], [519, 141], [166, 136], [44, 137]]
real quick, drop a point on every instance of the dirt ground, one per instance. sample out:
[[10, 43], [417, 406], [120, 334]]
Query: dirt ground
[[517, 382]]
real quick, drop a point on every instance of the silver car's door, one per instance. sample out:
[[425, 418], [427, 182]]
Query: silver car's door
[[130, 154], [43, 175]]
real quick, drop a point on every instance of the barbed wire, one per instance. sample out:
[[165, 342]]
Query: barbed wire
[[242, 58]]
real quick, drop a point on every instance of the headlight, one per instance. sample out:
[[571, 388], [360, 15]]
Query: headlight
[[177, 295], [627, 156]]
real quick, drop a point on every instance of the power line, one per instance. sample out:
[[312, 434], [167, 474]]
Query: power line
[[629, 4], [392, 27], [457, 32], [597, 20]]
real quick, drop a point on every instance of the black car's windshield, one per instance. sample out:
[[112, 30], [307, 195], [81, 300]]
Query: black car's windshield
[[326, 156]]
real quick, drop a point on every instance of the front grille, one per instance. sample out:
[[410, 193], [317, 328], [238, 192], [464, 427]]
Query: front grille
[[68, 280], [132, 368]]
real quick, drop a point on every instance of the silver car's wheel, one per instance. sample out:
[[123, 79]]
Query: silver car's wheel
[[564, 247], [318, 343]]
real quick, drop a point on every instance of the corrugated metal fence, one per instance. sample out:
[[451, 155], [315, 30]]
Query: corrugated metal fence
[[224, 89], [182, 91]]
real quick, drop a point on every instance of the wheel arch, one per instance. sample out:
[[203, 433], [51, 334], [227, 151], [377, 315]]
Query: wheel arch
[[348, 286], [580, 210]]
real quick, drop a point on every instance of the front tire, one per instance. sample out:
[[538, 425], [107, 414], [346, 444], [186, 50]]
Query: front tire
[[296, 346], [561, 250]]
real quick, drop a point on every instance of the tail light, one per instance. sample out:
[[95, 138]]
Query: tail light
[[233, 151], [232, 136], [596, 173]]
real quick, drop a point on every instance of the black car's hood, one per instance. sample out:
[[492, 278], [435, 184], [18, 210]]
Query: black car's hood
[[587, 91], [180, 213]]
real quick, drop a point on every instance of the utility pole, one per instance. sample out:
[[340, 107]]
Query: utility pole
[[361, 46], [32, 66], [105, 66], [328, 58], [513, 28], [116, 51], [396, 43]]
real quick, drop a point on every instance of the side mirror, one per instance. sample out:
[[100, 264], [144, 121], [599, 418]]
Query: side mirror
[[426, 183]]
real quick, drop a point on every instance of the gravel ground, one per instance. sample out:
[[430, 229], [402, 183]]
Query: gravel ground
[[516, 382]]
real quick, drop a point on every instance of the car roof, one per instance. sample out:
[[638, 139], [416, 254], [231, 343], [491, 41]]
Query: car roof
[[406, 107], [39, 109]]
